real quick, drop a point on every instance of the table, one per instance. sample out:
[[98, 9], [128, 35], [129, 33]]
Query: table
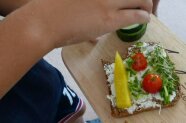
[[84, 63]]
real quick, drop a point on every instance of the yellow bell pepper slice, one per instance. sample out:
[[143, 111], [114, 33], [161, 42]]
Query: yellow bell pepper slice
[[121, 84]]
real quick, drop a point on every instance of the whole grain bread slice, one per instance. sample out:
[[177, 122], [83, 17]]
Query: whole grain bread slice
[[116, 112]]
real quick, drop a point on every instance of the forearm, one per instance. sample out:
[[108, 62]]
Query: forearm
[[30, 32], [7, 6], [22, 44]]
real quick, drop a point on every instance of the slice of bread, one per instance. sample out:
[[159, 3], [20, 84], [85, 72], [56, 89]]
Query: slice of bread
[[116, 112]]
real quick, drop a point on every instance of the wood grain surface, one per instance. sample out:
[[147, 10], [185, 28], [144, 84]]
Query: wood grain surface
[[84, 62]]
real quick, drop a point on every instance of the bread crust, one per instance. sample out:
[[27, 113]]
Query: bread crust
[[116, 112]]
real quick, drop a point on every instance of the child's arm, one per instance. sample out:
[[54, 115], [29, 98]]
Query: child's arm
[[30, 32]]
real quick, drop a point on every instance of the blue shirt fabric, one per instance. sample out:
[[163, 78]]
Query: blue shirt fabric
[[41, 96]]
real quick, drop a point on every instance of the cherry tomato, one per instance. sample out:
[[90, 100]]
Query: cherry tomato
[[140, 62], [152, 83]]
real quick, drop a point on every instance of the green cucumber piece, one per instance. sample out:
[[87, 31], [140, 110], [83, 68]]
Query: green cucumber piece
[[131, 26], [132, 29], [130, 37]]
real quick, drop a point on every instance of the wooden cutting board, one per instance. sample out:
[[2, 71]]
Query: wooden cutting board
[[84, 62]]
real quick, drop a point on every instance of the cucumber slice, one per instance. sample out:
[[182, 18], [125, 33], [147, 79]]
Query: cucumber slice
[[132, 29], [134, 36], [131, 26]]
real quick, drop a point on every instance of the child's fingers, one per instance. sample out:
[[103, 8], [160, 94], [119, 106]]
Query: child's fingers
[[125, 18], [133, 4]]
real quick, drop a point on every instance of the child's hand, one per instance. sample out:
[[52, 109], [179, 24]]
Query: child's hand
[[72, 21]]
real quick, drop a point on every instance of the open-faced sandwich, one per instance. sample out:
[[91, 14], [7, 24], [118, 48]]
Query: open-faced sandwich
[[144, 80]]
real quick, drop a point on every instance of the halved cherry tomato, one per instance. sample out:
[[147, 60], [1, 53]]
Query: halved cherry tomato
[[152, 83], [140, 62]]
